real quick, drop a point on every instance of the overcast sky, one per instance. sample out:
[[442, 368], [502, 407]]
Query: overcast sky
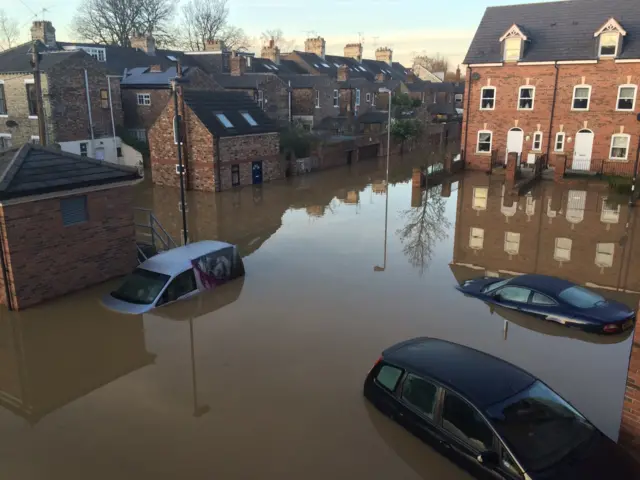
[[407, 26]]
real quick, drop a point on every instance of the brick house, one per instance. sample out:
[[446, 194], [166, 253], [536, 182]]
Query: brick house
[[541, 83], [146, 91], [66, 221], [227, 139]]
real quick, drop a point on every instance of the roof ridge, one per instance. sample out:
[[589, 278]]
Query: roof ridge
[[14, 165], [528, 4]]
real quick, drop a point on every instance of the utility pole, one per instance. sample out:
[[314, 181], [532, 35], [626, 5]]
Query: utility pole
[[35, 60], [177, 118]]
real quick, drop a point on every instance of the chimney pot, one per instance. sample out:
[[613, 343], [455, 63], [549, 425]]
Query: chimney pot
[[44, 31], [315, 45], [384, 54]]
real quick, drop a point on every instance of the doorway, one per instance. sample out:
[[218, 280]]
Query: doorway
[[583, 150], [515, 140], [100, 153], [256, 172]]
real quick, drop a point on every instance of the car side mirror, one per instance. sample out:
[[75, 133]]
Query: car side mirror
[[488, 459]]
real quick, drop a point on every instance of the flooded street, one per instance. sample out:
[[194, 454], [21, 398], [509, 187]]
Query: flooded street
[[263, 379]]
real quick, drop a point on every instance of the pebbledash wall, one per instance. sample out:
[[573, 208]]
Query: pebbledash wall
[[202, 153], [68, 258], [604, 77]]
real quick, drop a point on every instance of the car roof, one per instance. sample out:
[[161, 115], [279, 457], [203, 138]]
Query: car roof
[[542, 283], [177, 260], [482, 378]]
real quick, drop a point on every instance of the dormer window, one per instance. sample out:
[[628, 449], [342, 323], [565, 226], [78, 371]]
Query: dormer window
[[513, 41], [609, 39]]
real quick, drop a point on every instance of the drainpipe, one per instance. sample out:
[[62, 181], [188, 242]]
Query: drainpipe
[[466, 128], [216, 166], [86, 87], [3, 261], [113, 123], [553, 111], [289, 94]]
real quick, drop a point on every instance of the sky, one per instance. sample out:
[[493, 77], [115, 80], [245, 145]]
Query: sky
[[406, 26]]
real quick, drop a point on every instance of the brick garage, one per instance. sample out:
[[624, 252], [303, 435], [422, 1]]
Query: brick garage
[[212, 150], [68, 231]]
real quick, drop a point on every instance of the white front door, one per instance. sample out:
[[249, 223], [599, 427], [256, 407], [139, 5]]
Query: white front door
[[99, 153], [515, 139], [582, 150]]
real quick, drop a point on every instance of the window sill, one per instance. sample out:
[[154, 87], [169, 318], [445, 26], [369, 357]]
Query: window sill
[[33, 117], [525, 109], [487, 109], [579, 109], [556, 152], [4, 115], [618, 160], [626, 110], [484, 154]]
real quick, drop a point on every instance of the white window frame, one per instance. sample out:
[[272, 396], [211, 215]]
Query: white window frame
[[458, 97], [563, 248], [495, 96], [175, 131], [490, 142], [261, 99], [336, 99], [474, 243], [141, 99], [560, 135], [480, 198], [34, 140], [317, 98], [635, 95], [605, 251], [620, 135], [537, 135], [533, 97], [512, 39], [357, 97], [609, 215], [7, 136], [512, 243], [224, 120], [573, 100], [609, 34], [249, 119]]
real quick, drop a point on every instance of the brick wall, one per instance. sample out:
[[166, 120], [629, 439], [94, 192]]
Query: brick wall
[[143, 116], [303, 101], [630, 427], [245, 149], [163, 154], [602, 117], [71, 257], [275, 95], [18, 108]]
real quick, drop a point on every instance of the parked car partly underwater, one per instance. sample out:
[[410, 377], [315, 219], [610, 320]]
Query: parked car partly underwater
[[489, 416], [174, 275], [555, 300]]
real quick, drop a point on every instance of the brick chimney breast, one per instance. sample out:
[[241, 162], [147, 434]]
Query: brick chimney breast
[[271, 52], [214, 46], [384, 54], [381, 77], [44, 31], [343, 73], [144, 42], [315, 45], [353, 50], [238, 65]]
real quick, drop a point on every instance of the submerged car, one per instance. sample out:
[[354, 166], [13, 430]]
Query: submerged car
[[174, 275], [553, 299], [489, 416]]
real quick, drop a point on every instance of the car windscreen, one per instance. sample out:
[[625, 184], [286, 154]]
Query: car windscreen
[[495, 285], [539, 426], [141, 287], [581, 297]]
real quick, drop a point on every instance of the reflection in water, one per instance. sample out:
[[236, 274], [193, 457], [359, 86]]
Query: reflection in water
[[425, 225], [277, 359]]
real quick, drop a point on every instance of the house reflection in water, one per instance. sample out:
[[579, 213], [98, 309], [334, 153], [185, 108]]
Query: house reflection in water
[[55, 354], [579, 235]]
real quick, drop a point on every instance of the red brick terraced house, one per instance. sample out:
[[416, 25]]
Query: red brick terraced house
[[227, 140], [556, 79]]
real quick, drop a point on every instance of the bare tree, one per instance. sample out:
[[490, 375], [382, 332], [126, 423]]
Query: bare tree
[[113, 21], [425, 225], [278, 39], [436, 63], [207, 20], [9, 32], [235, 38]]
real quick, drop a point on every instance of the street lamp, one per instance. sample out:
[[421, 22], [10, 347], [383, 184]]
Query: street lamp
[[178, 139], [388, 91], [386, 207]]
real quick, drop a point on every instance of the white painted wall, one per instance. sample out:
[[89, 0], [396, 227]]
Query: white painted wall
[[107, 149]]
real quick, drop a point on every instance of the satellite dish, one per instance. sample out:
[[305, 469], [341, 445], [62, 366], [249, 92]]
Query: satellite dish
[[475, 76], [11, 123]]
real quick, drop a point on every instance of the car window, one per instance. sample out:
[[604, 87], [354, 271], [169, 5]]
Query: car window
[[141, 287], [466, 424], [494, 286], [421, 394], [508, 463], [388, 377], [540, 299], [181, 285], [581, 297], [515, 294]]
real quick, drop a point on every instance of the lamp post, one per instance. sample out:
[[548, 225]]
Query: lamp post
[[178, 139], [635, 171], [386, 207]]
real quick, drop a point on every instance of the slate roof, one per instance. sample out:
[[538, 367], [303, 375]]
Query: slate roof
[[306, 81], [374, 117], [264, 65], [557, 31], [207, 104], [246, 81], [18, 59], [141, 76], [35, 170]]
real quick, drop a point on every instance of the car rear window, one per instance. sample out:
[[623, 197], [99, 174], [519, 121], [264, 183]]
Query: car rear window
[[388, 377], [581, 297], [141, 287]]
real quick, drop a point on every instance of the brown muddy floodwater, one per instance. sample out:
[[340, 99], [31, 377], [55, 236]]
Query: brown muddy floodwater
[[262, 378]]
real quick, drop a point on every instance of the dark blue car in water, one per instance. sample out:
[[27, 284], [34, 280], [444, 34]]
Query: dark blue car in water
[[553, 299]]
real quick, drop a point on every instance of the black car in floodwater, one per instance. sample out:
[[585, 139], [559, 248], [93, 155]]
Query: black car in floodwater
[[489, 416], [553, 299]]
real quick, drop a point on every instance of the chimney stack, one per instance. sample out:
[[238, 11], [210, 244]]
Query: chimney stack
[[214, 46], [384, 54], [238, 65], [144, 42], [458, 74], [44, 31], [271, 52], [343, 73], [353, 50], [381, 77], [315, 45]]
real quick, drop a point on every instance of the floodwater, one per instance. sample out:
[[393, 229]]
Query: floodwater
[[262, 378]]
